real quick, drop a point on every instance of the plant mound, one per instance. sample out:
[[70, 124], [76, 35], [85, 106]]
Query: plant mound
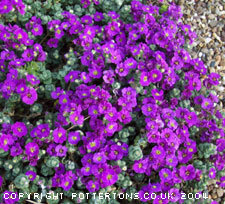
[[104, 97]]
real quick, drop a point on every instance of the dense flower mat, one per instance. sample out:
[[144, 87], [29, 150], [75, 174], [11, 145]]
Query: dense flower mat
[[103, 97]]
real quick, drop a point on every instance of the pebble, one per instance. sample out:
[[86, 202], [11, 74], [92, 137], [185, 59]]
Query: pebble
[[207, 19], [222, 63], [212, 64], [214, 196], [211, 16], [220, 192], [220, 88], [207, 40], [213, 23], [218, 59]]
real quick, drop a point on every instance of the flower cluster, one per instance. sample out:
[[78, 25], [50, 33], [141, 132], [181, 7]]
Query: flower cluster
[[9, 5], [116, 76]]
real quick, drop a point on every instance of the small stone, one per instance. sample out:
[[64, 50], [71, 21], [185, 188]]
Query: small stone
[[222, 63], [220, 88], [223, 36], [218, 59], [223, 81], [212, 64], [199, 10], [181, 2], [213, 23], [201, 44], [214, 196], [220, 192], [207, 40], [205, 50], [212, 70], [211, 16]]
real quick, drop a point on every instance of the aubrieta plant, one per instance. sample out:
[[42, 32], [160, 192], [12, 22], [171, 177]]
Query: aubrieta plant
[[103, 97]]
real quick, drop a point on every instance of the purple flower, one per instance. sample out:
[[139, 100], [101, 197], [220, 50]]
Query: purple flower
[[10, 197], [37, 30], [52, 42], [32, 79], [140, 166], [16, 150], [130, 63], [95, 73], [8, 87], [187, 172], [165, 174], [125, 117], [93, 145], [74, 137], [21, 88], [214, 78], [93, 111], [19, 6], [212, 173], [159, 199], [177, 62], [31, 175], [115, 153], [85, 77], [121, 70], [86, 170], [109, 177], [143, 194], [59, 135], [99, 158], [43, 130], [145, 79], [113, 14], [222, 182], [134, 35], [6, 141], [111, 115], [32, 149], [112, 28], [108, 76], [157, 94], [1, 181], [207, 104], [220, 145], [191, 118], [30, 96], [76, 118], [149, 109], [92, 186], [158, 152], [183, 156], [66, 183], [195, 84], [112, 127], [5, 7], [61, 150], [171, 160], [59, 33], [87, 19], [175, 194], [155, 76], [98, 16], [28, 54], [19, 129]]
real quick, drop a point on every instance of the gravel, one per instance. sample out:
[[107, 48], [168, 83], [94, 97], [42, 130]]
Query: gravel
[[207, 19]]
